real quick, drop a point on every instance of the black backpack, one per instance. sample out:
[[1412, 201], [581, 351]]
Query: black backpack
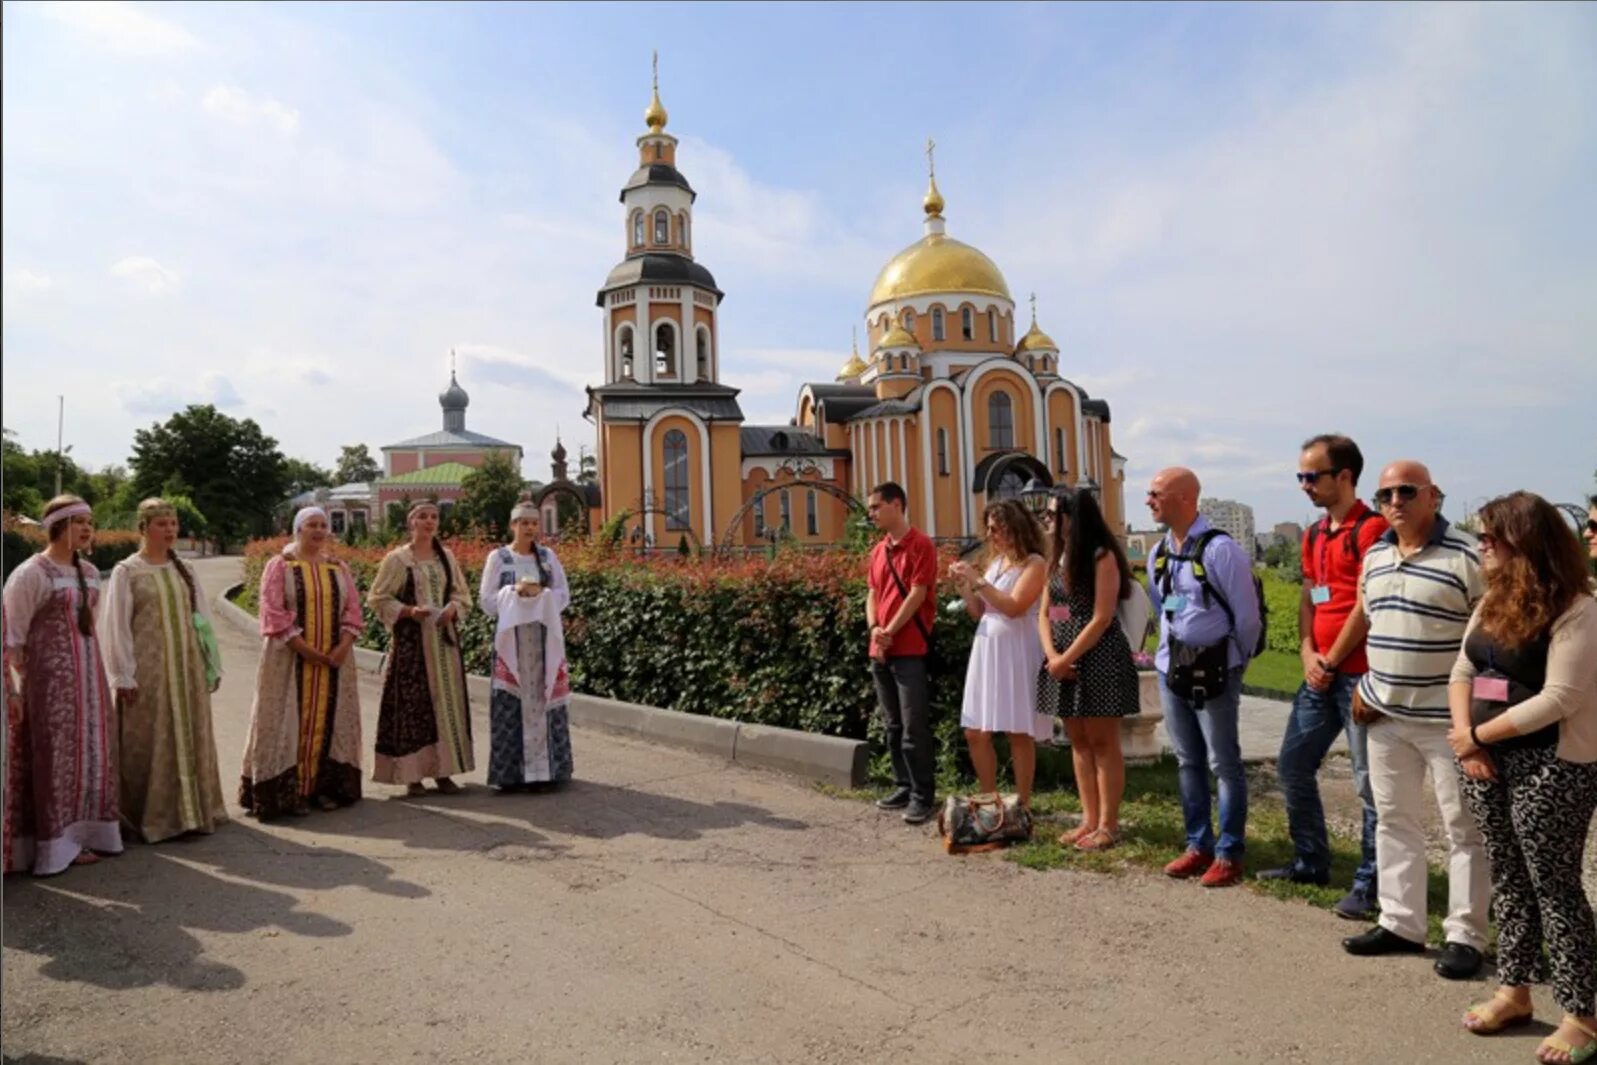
[[1194, 556], [1353, 550]]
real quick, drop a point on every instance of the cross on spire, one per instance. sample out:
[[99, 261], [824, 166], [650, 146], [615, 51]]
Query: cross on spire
[[1034, 308], [656, 70], [931, 159]]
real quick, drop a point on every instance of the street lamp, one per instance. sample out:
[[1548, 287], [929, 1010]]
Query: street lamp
[[1036, 495]]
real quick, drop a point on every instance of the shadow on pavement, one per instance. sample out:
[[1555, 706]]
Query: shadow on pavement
[[592, 810], [128, 922]]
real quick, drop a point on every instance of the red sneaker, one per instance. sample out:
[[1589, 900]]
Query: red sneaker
[[1188, 865], [1223, 873]]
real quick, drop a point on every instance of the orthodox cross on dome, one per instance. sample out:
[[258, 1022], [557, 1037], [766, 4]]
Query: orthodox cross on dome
[[1034, 308], [655, 115], [931, 158]]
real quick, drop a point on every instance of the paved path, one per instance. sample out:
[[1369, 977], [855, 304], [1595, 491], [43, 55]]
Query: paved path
[[670, 907]]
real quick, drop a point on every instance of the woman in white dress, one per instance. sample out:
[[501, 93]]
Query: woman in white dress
[[1001, 680]]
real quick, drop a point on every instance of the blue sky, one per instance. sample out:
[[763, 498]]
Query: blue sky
[[1244, 224]]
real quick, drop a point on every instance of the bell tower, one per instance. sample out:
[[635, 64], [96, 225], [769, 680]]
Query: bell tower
[[660, 305]]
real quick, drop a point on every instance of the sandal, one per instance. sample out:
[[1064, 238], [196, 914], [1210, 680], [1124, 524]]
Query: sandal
[[446, 786], [1575, 1055], [1070, 837], [1495, 1014], [1099, 839]]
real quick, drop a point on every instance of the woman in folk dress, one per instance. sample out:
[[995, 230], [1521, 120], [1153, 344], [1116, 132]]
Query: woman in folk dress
[[424, 726], [61, 773], [524, 587], [1001, 680], [304, 741], [158, 665]]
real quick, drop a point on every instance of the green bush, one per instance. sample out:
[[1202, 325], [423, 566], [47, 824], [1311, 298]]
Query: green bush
[[110, 547]]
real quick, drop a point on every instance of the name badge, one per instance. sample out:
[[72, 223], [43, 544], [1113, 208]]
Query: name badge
[[1491, 689], [1319, 595], [1174, 604], [1059, 613]]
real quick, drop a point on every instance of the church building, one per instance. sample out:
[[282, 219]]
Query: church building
[[949, 401]]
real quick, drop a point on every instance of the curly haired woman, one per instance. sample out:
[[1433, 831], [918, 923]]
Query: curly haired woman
[[1524, 690]]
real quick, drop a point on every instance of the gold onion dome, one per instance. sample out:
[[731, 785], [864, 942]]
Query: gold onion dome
[[1036, 340], [655, 114], [898, 337], [938, 263], [853, 367], [933, 203]]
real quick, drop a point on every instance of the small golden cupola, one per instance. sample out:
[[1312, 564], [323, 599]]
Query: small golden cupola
[[895, 367], [1037, 349], [855, 366], [656, 146]]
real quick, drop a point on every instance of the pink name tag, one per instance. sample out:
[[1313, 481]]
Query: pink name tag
[[1491, 689], [1059, 613]]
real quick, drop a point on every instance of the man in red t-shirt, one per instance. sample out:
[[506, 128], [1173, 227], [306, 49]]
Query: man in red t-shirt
[[1332, 636], [900, 606]]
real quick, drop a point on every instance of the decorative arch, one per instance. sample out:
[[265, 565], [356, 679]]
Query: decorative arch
[[640, 535], [567, 490], [704, 457], [847, 498]]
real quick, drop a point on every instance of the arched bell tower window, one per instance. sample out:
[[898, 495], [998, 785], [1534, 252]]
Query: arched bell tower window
[[682, 229], [1000, 421], [703, 337], [626, 347], [637, 229], [665, 352], [939, 327], [676, 481], [662, 226]]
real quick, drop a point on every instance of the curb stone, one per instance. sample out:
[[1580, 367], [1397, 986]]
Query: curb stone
[[828, 759]]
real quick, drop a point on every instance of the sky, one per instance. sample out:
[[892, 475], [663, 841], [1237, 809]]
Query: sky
[[1244, 224]]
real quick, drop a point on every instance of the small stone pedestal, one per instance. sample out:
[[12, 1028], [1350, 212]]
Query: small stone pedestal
[[1139, 734]]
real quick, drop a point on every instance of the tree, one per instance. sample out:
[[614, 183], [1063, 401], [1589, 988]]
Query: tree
[[304, 476], [355, 463], [232, 471], [587, 467], [488, 493]]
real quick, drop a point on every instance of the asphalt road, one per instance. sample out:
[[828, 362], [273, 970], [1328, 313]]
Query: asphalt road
[[671, 907]]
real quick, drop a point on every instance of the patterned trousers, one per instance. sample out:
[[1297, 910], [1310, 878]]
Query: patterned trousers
[[1535, 818]]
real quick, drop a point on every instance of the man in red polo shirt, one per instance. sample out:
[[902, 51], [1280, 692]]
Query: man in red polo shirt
[[900, 606], [1332, 635]]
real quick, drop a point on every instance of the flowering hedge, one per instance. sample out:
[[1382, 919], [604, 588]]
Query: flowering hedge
[[771, 641]]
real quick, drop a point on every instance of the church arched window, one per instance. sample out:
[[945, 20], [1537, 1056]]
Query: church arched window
[[939, 328], [676, 481], [665, 353], [992, 325], [942, 452], [1000, 420], [637, 229], [967, 323], [1060, 465], [662, 226], [812, 523], [626, 345], [909, 320], [682, 229]]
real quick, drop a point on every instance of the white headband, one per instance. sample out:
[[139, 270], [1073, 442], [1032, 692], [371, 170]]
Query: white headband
[[66, 513], [306, 513], [525, 509]]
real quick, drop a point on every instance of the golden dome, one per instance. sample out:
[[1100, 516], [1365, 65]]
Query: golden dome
[[1036, 340], [898, 337], [655, 114], [854, 366], [934, 199], [938, 263]]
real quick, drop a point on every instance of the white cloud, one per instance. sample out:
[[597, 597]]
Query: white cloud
[[147, 274], [122, 27], [25, 282], [161, 397], [235, 105]]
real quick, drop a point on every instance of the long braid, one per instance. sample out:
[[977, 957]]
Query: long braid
[[85, 615], [188, 579]]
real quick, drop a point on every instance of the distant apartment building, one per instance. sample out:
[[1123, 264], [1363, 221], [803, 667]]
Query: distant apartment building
[[1288, 532], [1235, 518]]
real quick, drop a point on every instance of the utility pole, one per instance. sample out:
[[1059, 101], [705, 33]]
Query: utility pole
[[60, 426]]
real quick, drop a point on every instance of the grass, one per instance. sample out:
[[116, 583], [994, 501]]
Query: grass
[[1152, 834], [1275, 671]]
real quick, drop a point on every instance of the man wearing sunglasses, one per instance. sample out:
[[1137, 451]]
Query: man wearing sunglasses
[[1332, 634], [1419, 586]]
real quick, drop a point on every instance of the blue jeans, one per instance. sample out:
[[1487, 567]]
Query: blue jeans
[[1203, 740], [1318, 718]]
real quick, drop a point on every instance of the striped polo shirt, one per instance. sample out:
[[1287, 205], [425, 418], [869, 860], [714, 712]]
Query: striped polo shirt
[[1418, 608]]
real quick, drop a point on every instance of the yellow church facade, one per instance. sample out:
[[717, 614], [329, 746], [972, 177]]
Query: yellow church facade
[[950, 402]]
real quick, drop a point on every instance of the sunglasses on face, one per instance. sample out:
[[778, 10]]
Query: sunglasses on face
[[1591, 526], [1310, 477], [1401, 493]]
